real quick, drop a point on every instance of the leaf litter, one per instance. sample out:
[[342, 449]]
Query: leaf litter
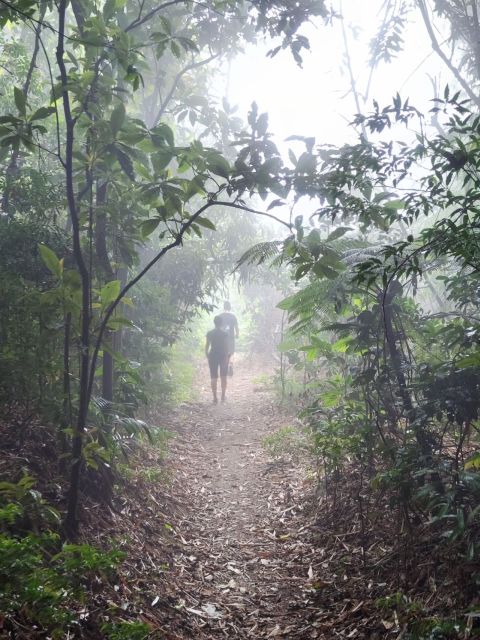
[[252, 551], [232, 544]]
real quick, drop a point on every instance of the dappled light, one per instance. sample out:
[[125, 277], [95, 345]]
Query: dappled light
[[239, 325]]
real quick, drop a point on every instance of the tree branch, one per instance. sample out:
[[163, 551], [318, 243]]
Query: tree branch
[[174, 86], [437, 48], [139, 21], [103, 326], [236, 205], [177, 242]]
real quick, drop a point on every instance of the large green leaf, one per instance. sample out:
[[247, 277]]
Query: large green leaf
[[161, 159], [125, 162], [109, 9], [395, 205], [338, 233], [219, 166], [205, 222], [109, 292], [50, 260], [42, 113], [162, 134], [20, 100], [149, 226], [287, 303], [117, 118]]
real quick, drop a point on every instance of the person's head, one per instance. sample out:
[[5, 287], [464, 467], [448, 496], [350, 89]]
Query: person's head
[[227, 306], [217, 321]]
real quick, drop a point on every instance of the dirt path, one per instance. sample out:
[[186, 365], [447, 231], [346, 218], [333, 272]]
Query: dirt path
[[237, 546], [242, 568]]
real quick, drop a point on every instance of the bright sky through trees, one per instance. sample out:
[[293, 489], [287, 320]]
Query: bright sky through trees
[[316, 99]]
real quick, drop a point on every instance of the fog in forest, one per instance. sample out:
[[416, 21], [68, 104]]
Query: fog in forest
[[239, 332]]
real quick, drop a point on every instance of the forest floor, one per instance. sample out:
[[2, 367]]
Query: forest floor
[[244, 569], [232, 547], [227, 534]]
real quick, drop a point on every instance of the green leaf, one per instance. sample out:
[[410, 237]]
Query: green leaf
[[161, 160], [125, 162], [331, 398], [109, 9], [117, 118], [205, 222], [174, 204], [341, 346], [473, 463], [323, 270], [42, 113], [20, 100], [50, 260], [472, 360], [275, 203], [175, 49], [149, 226], [262, 124], [166, 24], [338, 233], [117, 323], [161, 134], [219, 166], [395, 204], [287, 303], [306, 163], [109, 292]]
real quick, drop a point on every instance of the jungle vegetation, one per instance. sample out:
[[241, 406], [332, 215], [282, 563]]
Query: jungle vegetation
[[126, 181]]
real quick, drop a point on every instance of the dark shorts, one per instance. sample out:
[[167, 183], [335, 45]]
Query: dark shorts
[[217, 362]]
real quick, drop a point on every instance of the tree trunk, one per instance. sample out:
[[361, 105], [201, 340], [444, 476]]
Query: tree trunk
[[66, 405], [396, 362], [71, 521], [104, 259]]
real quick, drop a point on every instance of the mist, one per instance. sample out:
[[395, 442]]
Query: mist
[[239, 328]]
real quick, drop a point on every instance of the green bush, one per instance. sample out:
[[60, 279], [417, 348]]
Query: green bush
[[126, 630], [284, 441], [22, 508], [43, 582]]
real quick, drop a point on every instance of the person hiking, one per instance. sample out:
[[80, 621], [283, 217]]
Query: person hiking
[[216, 350], [230, 326]]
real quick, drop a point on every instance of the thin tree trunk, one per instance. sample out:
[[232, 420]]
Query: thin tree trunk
[[397, 366], [104, 259], [437, 48], [71, 522], [67, 404]]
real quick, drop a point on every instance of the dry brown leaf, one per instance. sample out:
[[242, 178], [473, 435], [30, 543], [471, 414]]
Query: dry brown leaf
[[274, 633]]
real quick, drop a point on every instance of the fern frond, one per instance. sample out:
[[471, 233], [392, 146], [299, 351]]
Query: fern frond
[[353, 257], [308, 304], [260, 253]]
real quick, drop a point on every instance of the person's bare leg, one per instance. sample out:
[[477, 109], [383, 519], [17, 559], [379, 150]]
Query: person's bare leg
[[223, 382], [214, 390]]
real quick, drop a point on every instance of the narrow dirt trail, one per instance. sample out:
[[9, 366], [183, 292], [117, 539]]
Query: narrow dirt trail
[[241, 568]]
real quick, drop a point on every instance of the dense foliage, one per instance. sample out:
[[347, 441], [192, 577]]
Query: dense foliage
[[127, 189]]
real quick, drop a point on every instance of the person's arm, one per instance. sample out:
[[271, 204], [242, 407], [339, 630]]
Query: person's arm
[[237, 332], [207, 344]]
